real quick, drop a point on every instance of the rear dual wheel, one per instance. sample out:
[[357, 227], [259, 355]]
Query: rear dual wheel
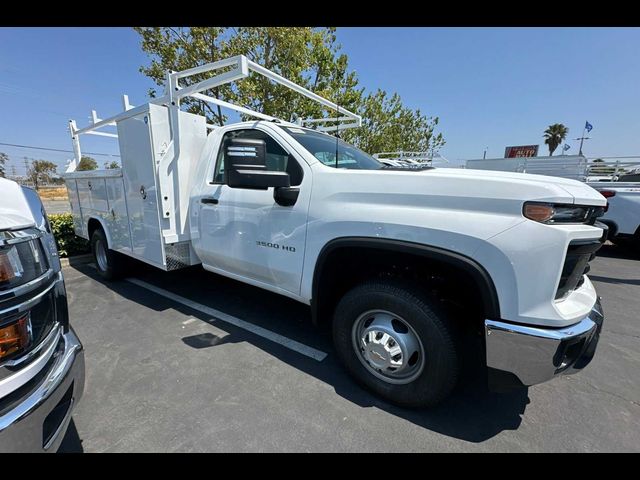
[[110, 264]]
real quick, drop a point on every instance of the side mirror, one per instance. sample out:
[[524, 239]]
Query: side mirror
[[245, 166]]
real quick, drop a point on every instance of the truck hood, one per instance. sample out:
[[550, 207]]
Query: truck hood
[[525, 184], [14, 208]]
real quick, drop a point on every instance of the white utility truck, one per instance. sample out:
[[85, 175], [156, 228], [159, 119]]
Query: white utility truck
[[616, 178], [404, 265]]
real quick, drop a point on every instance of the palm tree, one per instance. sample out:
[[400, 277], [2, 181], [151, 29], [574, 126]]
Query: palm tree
[[554, 136]]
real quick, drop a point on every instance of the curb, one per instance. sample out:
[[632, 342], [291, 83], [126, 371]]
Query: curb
[[77, 260]]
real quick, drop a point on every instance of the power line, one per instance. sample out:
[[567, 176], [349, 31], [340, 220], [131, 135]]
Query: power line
[[55, 149]]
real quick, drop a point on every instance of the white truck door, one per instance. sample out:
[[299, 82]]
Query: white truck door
[[244, 232]]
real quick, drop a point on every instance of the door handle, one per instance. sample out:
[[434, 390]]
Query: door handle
[[209, 200]]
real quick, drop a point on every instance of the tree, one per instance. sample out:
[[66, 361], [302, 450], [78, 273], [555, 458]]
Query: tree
[[554, 136], [310, 57], [3, 159], [41, 171], [87, 163], [111, 165], [390, 126]]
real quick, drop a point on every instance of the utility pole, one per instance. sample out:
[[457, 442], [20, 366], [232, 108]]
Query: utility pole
[[484, 155], [26, 168]]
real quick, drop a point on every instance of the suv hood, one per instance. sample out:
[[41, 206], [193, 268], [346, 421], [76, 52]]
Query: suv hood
[[14, 209]]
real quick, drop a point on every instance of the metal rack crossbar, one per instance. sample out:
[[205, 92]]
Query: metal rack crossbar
[[239, 67]]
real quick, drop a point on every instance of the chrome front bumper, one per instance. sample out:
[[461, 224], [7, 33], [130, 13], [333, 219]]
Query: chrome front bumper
[[520, 355], [38, 421]]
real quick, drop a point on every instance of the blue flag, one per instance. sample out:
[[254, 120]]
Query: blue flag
[[588, 126], [566, 147]]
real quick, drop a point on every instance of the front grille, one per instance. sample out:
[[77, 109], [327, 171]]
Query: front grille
[[576, 265]]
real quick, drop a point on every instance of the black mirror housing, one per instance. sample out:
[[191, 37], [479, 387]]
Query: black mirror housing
[[245, 166]]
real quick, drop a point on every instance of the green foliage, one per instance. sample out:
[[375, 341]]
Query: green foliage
[[310, 57], [554, 136], [68, 243], [87, 163], [3, 159], [41, 171], [388, 125], [111, 165]]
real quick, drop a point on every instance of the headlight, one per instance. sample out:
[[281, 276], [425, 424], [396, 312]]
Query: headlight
[[553, 213], [21, 260]]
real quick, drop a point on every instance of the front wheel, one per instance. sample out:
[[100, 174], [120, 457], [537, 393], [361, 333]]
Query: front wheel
[[394, 340]]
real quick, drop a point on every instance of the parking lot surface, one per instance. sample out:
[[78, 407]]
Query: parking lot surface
[[167, 373]]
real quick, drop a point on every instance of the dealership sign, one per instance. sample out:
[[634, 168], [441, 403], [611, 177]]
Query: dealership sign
[[521, 151]]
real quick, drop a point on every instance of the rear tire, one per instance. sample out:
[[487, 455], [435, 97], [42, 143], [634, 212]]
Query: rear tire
[[378, 314], [110, 264]]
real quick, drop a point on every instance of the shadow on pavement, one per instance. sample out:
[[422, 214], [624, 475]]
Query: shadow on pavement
[[622, 251], [472, 413], [71, 442], [614, 281]]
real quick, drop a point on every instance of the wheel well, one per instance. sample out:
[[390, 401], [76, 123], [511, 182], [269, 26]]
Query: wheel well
[[613, 227], [458, 282], [92, 226]]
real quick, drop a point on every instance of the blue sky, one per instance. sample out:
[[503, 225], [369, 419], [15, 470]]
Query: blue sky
[[491, 87]]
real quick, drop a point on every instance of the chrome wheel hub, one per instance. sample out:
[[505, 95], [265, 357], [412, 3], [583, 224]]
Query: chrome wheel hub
[[388, 346]]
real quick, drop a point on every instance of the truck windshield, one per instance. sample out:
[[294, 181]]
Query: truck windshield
[[323, 147]]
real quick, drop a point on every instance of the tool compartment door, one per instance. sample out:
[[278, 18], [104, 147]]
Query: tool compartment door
[[141, 193], [118, 218]]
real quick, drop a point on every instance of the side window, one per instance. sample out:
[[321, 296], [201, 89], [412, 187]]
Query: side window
[[277, 157]]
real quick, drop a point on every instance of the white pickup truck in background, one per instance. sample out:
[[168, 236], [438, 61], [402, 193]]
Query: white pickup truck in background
[[617, 179], [402, 264]]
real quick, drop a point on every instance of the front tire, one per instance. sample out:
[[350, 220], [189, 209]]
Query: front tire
[[395, 340], [110, 264]]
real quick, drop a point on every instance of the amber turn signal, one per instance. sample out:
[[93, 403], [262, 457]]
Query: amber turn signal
[[538, 212], [14, 337], [7, 270]]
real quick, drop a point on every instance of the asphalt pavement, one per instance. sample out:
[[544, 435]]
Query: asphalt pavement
[[166, 373]]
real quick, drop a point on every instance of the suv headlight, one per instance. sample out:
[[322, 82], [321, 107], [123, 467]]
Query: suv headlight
[[554, 213], [21, 260]]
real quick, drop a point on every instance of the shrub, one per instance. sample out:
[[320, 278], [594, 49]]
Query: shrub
[[68, 242]]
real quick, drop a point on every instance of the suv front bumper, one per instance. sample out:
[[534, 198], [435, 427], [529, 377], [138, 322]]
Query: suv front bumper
[[38, 421], [521, 355]]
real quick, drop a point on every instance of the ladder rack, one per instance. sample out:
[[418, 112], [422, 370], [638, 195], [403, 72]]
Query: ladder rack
[[239, 68], [235, 68]]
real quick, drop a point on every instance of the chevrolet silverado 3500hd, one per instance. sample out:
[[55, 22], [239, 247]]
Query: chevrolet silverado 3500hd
[[401, 263]]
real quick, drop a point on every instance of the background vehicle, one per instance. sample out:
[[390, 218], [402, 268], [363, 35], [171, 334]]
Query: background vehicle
[[419, 159], [41, 358], [615, 178], [402, 264]]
